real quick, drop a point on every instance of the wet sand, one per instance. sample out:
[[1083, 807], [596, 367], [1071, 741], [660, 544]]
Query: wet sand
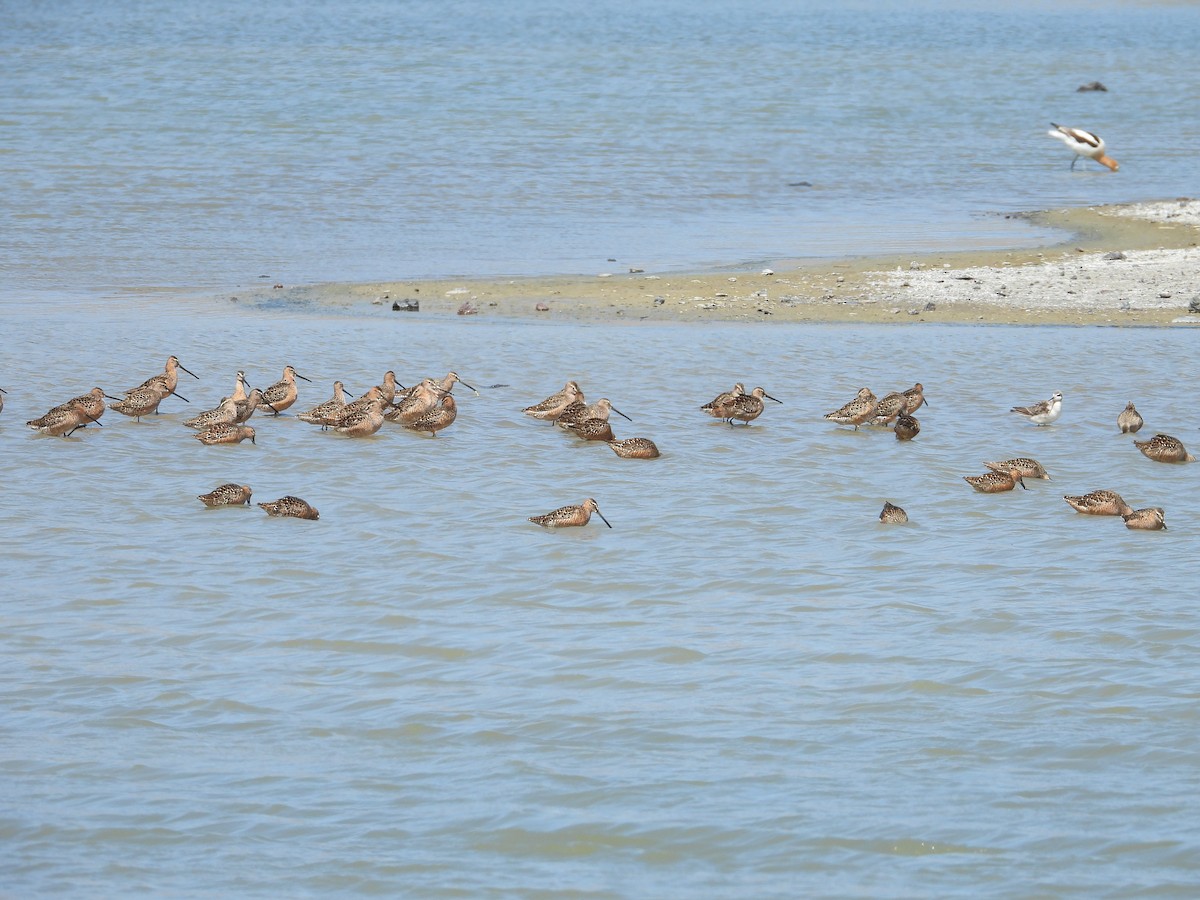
[[1134, 264]]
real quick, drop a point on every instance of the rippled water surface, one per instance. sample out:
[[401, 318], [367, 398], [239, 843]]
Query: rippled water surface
[[747, 687], [203, 144]]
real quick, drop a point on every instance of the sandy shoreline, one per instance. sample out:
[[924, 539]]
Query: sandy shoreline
[[1133, 264]]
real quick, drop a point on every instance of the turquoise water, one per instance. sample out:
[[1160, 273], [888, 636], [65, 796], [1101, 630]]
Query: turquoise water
[[205, 144], [747, 687]]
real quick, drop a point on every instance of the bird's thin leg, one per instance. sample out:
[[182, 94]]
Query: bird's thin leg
[[1073, 161]]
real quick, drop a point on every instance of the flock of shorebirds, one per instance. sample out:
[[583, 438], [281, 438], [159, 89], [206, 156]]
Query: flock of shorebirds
[[429, 407]]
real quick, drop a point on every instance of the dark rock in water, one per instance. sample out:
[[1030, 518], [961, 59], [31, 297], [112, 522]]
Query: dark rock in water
[[406, 306], [1091, 86]]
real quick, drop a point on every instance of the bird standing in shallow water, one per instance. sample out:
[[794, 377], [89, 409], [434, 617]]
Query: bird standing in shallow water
[[1099, 503], [282, 394], [436, 419], [1042, 413], [747, 407], [1029, 468], [1150, 519], [291, 507], [995, 482], [635, 448], [1164, 448], [1130, 420], [226, 495], [569, 516], [226, 433], [1083, 143], [907, 427]]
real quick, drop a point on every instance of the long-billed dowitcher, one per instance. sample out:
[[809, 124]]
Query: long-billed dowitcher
[[447, 383], [1152, 518], [282, 394], [241, 387], [62, 421], [857, 411], [90, 404], [578, 412], [568, 516], [892, 514], [1099, 503], [140, 402], [245, 408], [436, 419], [291, 507], [907, 427], [592, 429], [360, 422], [421, 399], [1042, 413], [1164, 448], [226, 433], [388, 386], [552, 407], [223, 414], [747, 407], [226, 495], [716, 406], [915, 396], [322, 412], [995, 482], [887, 409], [1130, 420], [635, 448], [1029, 468], [168, 379]]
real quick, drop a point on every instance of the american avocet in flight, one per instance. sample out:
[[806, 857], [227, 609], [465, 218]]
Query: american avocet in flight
[[1083, 143]]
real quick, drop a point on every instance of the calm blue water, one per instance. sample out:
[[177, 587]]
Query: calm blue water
[[204, 144], [748, 687]]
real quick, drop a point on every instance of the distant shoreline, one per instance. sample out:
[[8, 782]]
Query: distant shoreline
[[1129, 264]]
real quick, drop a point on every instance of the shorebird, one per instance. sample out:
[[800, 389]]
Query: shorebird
[[1130, 420], [907, 427], [916, 397], [1029, 468], [320, 413], [579, 411], [1164, 448], [62, 421], [388, 387], [225, 434], [1042, 413], [856, 411], [90, 404], [1099, 503], [1150, 519], [592, 429], [550, 408], [635, 448], [887, 409], [995, 482], [169, 377], [447, 383], [141, 401], [1083, 143], [360, 422], [566, 516], [436, 419], [224, 414], [283, 394], [421, 399], [240, 387], [747, 407], [226, 495], [892, 515], [292, 507], [245, 408], [716, 406]]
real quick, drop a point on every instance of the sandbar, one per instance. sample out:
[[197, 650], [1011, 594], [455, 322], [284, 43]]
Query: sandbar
[[1132, 264]]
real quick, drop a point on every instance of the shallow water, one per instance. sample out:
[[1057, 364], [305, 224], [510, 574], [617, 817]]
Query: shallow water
[[205, 144], [747, 687]]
